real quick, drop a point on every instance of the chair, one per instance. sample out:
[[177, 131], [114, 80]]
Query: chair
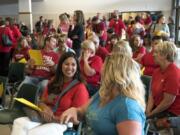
[[16, 75], [3, 82], [16, 72], [28, 92], [175, 124], [147, 83]]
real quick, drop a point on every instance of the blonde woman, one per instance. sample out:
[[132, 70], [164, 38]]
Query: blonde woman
[[90, 65], [122, 47], [118, 107], [165, 87]]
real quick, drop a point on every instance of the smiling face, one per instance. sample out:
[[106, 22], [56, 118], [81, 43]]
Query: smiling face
[[69, 68]]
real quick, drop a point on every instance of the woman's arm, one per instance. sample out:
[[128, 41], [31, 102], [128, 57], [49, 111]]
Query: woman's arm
[[150, 104], [89, 71], [167, 101], [74, 114], [129, 128]]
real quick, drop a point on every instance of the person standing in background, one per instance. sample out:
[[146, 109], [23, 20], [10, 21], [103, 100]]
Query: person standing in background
[[76, 31]]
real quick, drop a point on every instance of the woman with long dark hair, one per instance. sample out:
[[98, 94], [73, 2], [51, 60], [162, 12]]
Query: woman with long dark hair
[[68, 71]]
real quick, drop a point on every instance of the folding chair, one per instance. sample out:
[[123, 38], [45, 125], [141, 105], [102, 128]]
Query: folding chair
[[28, 92], [16, 75]]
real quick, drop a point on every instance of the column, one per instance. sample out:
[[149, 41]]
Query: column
[[25, 13]]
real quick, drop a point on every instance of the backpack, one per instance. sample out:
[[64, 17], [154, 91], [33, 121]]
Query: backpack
[[5, 40]]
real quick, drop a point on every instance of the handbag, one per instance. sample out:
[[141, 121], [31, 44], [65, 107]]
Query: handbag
[[35, 116]]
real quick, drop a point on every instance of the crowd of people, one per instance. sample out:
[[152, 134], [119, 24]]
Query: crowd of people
[[107, 58]]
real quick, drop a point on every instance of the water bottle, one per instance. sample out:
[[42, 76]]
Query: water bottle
[[70, 130]]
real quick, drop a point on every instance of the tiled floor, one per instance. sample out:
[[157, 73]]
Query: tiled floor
[[5, 130]]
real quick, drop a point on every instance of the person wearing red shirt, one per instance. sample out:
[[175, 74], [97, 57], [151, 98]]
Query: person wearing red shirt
[[10, 22], [165, 87], [90, 65], [100, 51], [113, 40], [118, 25], [147, 60], [68, 69], [39, 74], [99, 28], [5, 51], [138, 49]]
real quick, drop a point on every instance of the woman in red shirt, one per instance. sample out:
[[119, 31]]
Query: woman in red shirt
[[68, 70], [165, 87], [90, 65]]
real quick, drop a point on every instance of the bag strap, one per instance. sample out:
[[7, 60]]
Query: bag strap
[[73, 83]]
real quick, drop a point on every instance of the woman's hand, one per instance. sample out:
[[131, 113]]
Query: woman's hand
[[70, 115], [46, 113], [48, 62], [86, 55]]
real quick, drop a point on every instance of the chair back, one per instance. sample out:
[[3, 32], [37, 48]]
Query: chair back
[[147, 83], [16, 72], [28, 92]]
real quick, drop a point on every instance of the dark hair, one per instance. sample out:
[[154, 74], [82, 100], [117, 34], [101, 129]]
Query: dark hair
[[137, 18], [94, 19], [57, 83], [2, 22], [79, 17], [110, 30], [159, 17], [156, 38], [114, 36]]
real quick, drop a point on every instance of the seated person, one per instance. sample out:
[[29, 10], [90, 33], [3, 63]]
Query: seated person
[[68, 70], [138, 49], [118, 107], [21, 51], [164, 98], [62, 47], [40, 74], [122, 47], [100, 50], [147, 60], [90, 65]]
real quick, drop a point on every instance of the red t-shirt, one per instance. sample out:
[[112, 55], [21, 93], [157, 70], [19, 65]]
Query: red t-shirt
[[96, 63], [102, 52], [23, 52], [167, 81], [117, 25], [43, 71], [109, 47], [147, 61], [141, 50], [97, 28], [75, 97]]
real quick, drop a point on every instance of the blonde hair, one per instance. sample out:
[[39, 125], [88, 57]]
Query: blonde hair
[[95, 39], [122, 47], [167, 49], [123, 73], [88, 44]]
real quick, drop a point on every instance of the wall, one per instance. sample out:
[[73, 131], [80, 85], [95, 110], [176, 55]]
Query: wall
[[51, 9]]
